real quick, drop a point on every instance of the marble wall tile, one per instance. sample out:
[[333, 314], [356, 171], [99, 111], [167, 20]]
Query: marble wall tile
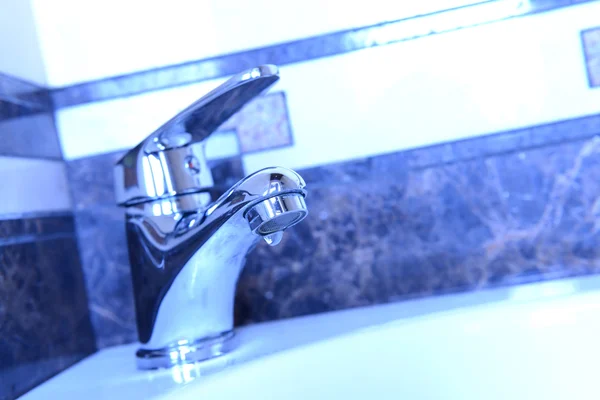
[[103, 250], [44, 319], [591, 49], [501, 220]]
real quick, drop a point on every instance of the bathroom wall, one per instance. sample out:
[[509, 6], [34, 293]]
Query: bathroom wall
[[19, 43], [78, 47], [444, 152], [44, 318]]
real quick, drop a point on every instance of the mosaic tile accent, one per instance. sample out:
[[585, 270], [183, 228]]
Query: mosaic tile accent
[[263, 124], [288, 53], [497, 210], [44, 320], [591, 48]]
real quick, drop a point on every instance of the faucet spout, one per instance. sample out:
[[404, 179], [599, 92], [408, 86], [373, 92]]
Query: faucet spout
[[186, 263]]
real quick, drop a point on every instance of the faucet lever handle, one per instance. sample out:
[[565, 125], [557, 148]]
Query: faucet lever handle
[[203, 117], [167, 163]]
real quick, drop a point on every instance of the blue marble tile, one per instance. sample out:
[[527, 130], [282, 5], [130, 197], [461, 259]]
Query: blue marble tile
[[517, 140], [28, 228], [103, 249], [44, 319], [487, 222], [281, 54]]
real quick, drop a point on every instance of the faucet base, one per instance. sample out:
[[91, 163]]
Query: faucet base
[[185, 352]]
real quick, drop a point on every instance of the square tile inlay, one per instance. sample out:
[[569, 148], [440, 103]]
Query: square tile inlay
[[591, 49], [263, 124]]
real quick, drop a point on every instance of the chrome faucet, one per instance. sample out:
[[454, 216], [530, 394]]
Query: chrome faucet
[[186, 251]]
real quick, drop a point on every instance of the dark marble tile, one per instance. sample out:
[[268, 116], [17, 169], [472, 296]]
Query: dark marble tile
[[263, 124], [325, 45], [23, 228], [503, 220], [227, 172], [44, 319], [591, 50]]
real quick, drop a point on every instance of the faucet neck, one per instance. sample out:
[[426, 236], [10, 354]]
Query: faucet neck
[[187, 292], [185, 262]]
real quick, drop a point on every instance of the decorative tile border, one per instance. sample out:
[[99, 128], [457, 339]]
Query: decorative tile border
[[25, 228], [20, 98], [591, 48], [299, 50]]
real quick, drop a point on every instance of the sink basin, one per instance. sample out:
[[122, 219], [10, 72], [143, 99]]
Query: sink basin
[[529, 342]]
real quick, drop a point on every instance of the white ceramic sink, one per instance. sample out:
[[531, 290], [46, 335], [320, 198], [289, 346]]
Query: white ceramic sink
[[538, 341]]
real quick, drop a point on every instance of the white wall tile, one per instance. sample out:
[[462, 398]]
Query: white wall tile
[[456, 85], [474, 81], [33, 185], [19, 48], [85, 40]]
